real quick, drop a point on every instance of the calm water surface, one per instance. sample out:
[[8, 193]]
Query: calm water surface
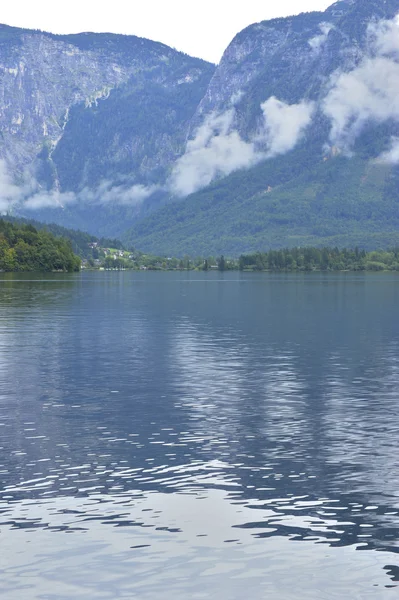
[[183, 435]]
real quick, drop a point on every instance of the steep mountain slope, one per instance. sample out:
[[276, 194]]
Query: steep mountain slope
[[135, 135], [77, 109], [345, 202], [291, 58], [329, 184]]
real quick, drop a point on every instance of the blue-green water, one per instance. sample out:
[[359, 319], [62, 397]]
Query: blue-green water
[[189, 435]]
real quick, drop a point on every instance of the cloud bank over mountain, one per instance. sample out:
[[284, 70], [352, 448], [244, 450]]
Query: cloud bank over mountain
[[29, 194], [218, 148], [284, 125], [368, 93], [317, 42], [349, 99]]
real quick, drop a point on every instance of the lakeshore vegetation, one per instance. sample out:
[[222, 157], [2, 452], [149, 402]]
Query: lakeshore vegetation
[[39, 247], [287, 259], [23, 248], [321, 259]]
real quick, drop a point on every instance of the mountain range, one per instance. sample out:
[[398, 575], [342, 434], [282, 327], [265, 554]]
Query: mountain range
[[293, 139]]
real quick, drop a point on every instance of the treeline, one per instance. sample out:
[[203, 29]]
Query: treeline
[[24, 248], [320, 259], [287, 259]]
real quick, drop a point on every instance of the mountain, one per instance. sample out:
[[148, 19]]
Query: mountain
[[332, 181], [293, 139], [91, 111]]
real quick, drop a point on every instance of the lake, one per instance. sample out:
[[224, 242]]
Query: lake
[[199, 435]]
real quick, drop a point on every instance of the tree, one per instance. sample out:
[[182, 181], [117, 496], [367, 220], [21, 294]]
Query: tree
[[222, 263]]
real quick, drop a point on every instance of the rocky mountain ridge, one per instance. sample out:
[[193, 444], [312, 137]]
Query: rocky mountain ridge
[[291, 58], [44, 77]]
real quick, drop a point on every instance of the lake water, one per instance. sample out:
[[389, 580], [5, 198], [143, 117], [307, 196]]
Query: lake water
[[199, 435]]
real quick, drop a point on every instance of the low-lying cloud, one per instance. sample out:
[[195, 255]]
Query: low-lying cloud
[[318, 41], [49, 199], [10, 192], [391, 156], [28, 194], [368, 93], [284, 124], [384, 37], [218, 149], [107, 192]]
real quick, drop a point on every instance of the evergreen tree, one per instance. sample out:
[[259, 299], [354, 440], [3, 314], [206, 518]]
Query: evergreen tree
[[222, 263]]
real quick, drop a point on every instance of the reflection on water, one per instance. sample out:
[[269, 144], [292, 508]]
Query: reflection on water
[[222, 435]]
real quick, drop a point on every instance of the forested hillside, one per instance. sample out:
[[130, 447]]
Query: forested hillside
[[345, 202], [23, 248], [81, 242], [323, 259]]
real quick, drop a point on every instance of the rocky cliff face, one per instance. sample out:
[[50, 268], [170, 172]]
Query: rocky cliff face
[[41, 79], [47, 82], [291, 58]]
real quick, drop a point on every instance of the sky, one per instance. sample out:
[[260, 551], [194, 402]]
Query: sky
[[203, 29]]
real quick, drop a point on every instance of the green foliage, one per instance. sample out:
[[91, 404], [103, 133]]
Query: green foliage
[[115, 263], [320, 259], [23, 248], [296, 200], [81, 242], [222, 263]]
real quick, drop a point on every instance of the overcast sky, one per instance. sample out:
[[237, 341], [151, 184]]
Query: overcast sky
[[201, 28]]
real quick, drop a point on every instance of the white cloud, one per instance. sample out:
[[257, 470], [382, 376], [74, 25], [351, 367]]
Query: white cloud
[[28, 194], [9, 192], [12, 192], [216, 150], [368, 93], [384, 37], [284, 124], [49, 199], [236, 97], [318, 41], [107, 193], [392, 155]]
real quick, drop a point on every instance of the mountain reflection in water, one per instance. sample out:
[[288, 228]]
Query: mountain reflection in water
[[218, 434]]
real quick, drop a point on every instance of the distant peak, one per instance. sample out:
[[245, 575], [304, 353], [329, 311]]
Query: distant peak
[[341, 5]]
